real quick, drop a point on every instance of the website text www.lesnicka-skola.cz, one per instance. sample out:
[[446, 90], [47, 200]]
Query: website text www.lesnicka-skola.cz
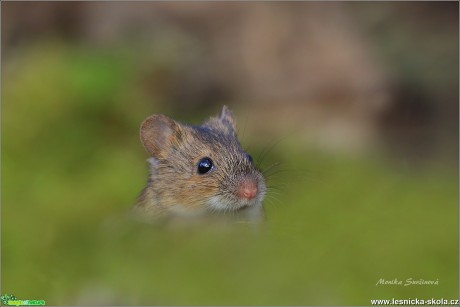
[[415, 301]]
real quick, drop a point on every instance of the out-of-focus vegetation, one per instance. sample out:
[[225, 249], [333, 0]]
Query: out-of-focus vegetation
[[72, 166]]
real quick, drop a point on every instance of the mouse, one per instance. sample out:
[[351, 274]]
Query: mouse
[[199, 170]]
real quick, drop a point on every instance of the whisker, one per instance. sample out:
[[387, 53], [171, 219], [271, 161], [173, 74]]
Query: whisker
[[271, 167], [273, 200], [261, 157], [274, 189]]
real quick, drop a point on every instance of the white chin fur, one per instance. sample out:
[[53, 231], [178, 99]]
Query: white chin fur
[[217, 203]]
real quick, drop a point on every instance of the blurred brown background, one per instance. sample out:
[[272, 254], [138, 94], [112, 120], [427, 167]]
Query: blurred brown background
[[349, 76]]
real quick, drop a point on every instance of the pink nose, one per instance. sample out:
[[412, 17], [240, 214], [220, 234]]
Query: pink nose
[[247, 188]]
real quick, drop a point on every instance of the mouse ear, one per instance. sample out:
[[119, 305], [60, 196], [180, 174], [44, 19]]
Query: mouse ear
[[226, 118], [157, 133]]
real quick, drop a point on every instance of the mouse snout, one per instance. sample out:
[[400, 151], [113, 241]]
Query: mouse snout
[[247, 188]]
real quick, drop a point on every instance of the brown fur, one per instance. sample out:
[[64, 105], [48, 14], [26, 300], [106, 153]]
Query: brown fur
[[176, 187]]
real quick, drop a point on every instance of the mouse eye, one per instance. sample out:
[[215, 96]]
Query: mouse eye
[[205, 165], [249, 157]]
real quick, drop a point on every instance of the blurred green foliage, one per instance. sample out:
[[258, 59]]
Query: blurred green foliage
[[72, 166]]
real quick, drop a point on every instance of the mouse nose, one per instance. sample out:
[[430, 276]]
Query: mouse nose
[[248, 188]]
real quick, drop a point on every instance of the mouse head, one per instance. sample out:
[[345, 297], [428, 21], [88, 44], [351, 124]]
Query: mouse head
[[201, 167]]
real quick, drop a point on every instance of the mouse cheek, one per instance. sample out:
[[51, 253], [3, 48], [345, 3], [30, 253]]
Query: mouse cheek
[[201, 188]]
